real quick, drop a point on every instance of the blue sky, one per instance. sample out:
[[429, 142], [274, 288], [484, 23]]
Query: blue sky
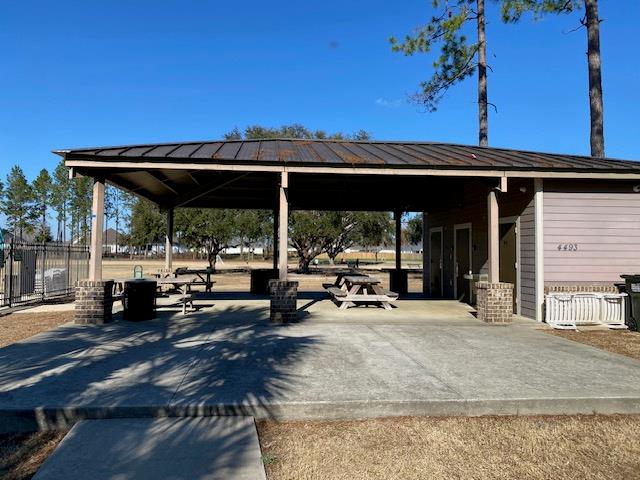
[[84, 73]]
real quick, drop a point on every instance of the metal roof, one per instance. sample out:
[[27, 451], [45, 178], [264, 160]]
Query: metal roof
[[346, 153]]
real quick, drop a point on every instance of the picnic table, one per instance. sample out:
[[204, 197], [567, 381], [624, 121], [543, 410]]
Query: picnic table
[[352, 289], [203, 275], [184, 286]]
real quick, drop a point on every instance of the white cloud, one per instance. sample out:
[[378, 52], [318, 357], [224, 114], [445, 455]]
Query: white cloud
[[383, 102]]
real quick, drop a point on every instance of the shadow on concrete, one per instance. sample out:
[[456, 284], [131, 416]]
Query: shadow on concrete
[[231, 359], [222, 447]]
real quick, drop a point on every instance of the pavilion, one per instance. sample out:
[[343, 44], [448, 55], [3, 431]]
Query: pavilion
[[506, 214]]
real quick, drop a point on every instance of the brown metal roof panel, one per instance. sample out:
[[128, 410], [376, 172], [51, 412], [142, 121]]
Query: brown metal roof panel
[[248, 151], [161, 151], [184, 151], [268, 152], [384, 156], [393, 150], [325, 154], [346, 155], [527, 159], [481, 157], [431, 156], [110, 152], [366, 156], [304, 152], [515, 159], [227, 151], [286, 152], [136, 151]]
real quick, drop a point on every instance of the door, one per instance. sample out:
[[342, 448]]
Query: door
[[462, 264], [508, 257], [435, 267]]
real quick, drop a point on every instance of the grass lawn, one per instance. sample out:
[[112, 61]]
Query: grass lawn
[[21, 454], [572, 447], [18, 326], [616, 341]]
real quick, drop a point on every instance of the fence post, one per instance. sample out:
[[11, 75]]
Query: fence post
[[11, 273], [68, 268], [44, 261]]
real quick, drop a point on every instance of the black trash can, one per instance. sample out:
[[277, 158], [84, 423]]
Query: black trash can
[[399, 281], [139, 299], [260, 280], [632, 289]]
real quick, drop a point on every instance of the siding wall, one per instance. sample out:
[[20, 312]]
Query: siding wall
[[472, 208], [591, 232], [527, 238]]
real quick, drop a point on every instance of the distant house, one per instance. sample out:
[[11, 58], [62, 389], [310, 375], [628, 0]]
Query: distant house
[[112, 242]]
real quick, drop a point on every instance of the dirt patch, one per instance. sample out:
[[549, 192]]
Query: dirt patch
[[585, 447], [18, 326], [616, 341], [21, 454]]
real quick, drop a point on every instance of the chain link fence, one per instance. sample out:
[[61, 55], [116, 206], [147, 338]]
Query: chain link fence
[[37, 272]]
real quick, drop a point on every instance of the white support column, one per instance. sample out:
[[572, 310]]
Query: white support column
[[398, 218], [283, 224], [276, 215], [493, 218], [539, 246], [97, 222], [168, 244]]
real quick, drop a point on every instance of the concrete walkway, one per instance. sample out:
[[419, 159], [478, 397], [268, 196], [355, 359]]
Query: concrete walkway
[[168, 448], [227, 359]]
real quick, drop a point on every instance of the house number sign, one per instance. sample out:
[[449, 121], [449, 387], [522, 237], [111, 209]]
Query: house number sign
[[567, 247]]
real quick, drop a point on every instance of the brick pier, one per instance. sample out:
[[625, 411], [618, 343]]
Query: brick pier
[[94, 302], [284, 295], [495, 302]]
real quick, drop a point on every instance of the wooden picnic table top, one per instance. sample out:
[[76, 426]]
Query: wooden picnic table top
[[188, 271], [361, 280], [174, 281]]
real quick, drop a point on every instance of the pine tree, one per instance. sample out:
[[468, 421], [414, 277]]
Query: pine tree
[[512, 11], [60, 198], [80, 207], [18, 203], [458, 58], [42, 196]]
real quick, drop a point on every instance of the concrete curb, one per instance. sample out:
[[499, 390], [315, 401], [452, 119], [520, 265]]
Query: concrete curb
[[44, 418]]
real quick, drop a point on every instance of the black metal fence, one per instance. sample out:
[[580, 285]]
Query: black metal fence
[[36, 272]]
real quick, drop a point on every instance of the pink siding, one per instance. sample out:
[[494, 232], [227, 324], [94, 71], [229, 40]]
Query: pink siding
[[591, 232]]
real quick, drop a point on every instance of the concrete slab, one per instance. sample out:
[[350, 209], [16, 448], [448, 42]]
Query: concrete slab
[[422, 358], [168, 448]]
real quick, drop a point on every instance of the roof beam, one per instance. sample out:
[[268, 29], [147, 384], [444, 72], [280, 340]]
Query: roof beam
[[342, 170]]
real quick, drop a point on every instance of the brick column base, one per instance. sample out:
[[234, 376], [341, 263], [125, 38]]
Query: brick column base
[[495, 302], [94, 301], [284, 295]]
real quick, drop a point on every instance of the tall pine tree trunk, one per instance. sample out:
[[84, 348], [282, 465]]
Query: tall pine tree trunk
[[483, 114], [595, 78]]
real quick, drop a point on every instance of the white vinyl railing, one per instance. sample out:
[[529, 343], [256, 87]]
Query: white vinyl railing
[[567, 310]]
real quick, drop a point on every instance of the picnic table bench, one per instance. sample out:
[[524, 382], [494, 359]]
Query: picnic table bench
[[350, 290], [184, 286]]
